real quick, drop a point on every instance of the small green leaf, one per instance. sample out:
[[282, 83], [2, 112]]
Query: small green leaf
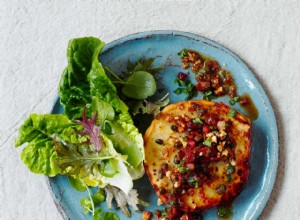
[[164, 212], [105, 110], [134, 155], [207, 142], [143, 65], [194, 181], [109, 168], [148, 63], [147, 107], [209, 95], [139, 85], [224, 212], [130, 66], [197, 121], [182, 169], [183, 53], [232, 113], [231, 102], [98, 197], [97, 214], [189, 85], [230, 169], [228, 178], [191, 94], [86, 204], [178, 91], [221, 189], [77, 184], [106, 128], [110, 216], [179, 82], [236, 99]]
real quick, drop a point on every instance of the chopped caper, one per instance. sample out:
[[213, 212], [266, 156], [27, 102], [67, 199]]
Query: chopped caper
[[173, 203], [162, 190], [178, 144], [174, 128], [159, 141], [176, 160], [228, 178], [164, 166], [160, 175], [221, 189]]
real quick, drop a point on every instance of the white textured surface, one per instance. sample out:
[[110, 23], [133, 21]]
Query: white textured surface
[[33, 41]]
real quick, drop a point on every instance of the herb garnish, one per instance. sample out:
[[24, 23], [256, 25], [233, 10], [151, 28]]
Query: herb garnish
[[197, 121], [189, 88], [234, 100], [221, 189], [138, 85], [183, 53], [224, 212], [232, 113], [230, 169], [91, 129], [209, 95], [194, 181], [207, 142]]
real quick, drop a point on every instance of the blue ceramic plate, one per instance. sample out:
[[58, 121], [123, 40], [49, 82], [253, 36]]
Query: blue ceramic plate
[[164, 45]]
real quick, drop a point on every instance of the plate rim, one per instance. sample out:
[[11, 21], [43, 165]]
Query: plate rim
[[267, 103]]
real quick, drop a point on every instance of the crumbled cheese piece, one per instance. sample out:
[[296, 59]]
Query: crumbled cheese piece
[[176, 184], [219, 91], [221, 125], [201, 154], [233, 163], [209, 135], [168, 174], [214, 139], [159, 202], [222, 134], [225, 153], [184, 143], [220, 147]]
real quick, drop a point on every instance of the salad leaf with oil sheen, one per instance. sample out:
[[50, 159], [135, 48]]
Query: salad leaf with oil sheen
[[139, 85], [74, 87], [38, 131], [107, 153], [103, 96]]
